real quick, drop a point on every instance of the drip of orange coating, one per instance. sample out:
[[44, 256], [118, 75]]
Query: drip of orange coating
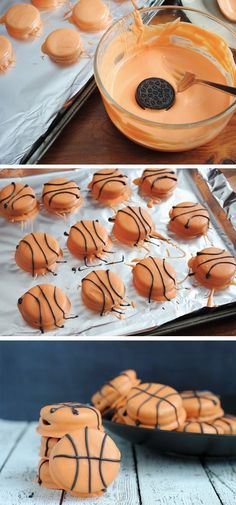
[[22, 21]]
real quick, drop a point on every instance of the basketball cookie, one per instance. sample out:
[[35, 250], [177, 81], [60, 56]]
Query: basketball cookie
[[38, 253], [158, 184], [103, 291], [189, 220], [88, 240], [44, 478], [115, 390], [18, 202], [202, 427], [201, 405], [57, 420], [155, 279], [61, 196], [110, 187], [46, 446]]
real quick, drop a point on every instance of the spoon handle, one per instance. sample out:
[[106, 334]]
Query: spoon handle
[[227, 89]]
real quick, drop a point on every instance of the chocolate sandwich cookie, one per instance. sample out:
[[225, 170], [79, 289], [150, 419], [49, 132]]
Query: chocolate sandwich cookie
[[61, 196], [103, 291], [45, 307], [85, 462], [58, 419], [156, 405], [110, 187], [155, 279], [38, 253], [114, 391], [201, 405], [155, 93], [157, 183], [18, 202], [189, 220]]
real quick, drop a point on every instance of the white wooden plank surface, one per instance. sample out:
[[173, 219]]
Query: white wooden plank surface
[[170, 480], [10, 433], [124, 490], [17, 486], [222, 474]]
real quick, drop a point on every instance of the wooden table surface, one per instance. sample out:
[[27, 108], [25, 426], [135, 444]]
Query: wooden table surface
[[146, 477]]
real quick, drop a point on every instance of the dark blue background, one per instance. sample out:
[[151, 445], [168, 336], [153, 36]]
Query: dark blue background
[[36, 373]]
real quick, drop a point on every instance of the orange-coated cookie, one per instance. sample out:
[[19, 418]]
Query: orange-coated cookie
[[18, 202], [88, 239], [110, 187], [38, 253], [46, 446], [103, 291], [6, 53], [91, 15], [155, 279], [47, 4], [64, 47], [228, 423], [85, 462], [156, 405], [213, 268], [121, 416], [44, 476], [201, 405], [189, 220], [133, 225], [61, 196], [22, 21], [202, 427], [157, 183], [115, 390], [45, 307], [58, 419]]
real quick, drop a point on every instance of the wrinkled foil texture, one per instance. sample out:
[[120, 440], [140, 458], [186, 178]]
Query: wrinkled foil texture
[[190, 297], [35, 90]]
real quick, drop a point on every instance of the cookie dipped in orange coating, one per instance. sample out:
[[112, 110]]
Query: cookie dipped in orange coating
[[46, 446], [156, 405], [85, 462], [64, 46], [18, 202], [45, 307], [201, 405], [155, 279], [58, 419], [44, 476], [88, 239], [91, 15], [38, 253], [202, 427], [47, 4], [157, 183], [103, 291], [133, 225], [115, 390], [110, 187], [61, 196], [189, 220], [214, 268], [228, 423], [22, 21], [6, 53]]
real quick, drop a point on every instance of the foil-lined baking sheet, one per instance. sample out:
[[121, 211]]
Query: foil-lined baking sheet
[[35, 89], [190, 296]]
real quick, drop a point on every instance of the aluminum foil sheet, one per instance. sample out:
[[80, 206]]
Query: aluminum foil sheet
[[222, 191], [190, 297], [35, 90]]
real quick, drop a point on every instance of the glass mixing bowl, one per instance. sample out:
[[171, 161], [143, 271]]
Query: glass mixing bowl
[[153, 134]]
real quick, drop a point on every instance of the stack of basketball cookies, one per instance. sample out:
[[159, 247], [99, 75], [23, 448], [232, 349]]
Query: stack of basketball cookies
[[153, 405], [77, 456]]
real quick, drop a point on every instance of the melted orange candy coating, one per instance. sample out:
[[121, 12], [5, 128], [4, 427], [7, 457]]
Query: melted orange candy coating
[[58, 419], [38, 253], [156, 405], [91, 15], [18, 202], [201, 405], [133, 225], [110, 187], [44, 307], [63, 46], [213, 268], [202, 427], [189, 220], [102, 291], [22, 21], [61, 196], [88, 239], [44, 476], [158, 183], [85, 462], [6, 53], [155, 279], [114, 390]]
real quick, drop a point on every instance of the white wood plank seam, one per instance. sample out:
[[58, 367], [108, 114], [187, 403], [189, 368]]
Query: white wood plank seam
[[136, 472], [20, 436], [214, 476]]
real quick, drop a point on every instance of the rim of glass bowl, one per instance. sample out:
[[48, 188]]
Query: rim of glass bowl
[[203, 122]]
